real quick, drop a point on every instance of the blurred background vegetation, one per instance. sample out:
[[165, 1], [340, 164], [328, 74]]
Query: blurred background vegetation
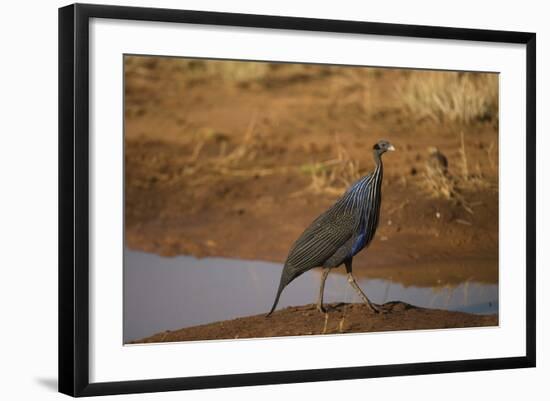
[[266, 147]]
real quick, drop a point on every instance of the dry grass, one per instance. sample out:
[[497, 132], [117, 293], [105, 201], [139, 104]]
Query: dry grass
[[235, 162], [330, 177], [441, 96], [333, 177], [241, 73], [342, 322], [246, 150], [236, 71], [338, 327], [438, 183], [453, 97], [442, 184], [444, 96], [325, 326], [197, 69]]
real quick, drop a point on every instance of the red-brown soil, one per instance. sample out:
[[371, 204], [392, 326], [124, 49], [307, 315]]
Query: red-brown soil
[[342, 318], [218, 168]]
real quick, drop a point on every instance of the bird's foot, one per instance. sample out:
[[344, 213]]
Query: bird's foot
[[321, 308], [377, 309]]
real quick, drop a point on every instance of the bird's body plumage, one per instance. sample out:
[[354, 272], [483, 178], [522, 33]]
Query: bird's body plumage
[[343, 230], [437, 162], [339, 233]]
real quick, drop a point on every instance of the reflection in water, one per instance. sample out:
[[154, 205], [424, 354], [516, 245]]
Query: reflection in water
[[171, 293]]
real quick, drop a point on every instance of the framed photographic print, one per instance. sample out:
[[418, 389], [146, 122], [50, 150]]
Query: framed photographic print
[[250, 199]]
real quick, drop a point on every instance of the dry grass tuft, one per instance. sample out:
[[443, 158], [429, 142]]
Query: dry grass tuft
[[333, 177], [444, 96], [246, 150], [325, 326], [236, 161], [197, 69], [342, 322], [237, 71], [438, 183], [441, 184]]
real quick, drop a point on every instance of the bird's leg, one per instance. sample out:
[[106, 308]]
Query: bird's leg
[[353, 283], [371, 306], [320, 306]]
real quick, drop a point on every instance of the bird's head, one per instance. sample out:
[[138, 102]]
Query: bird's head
[[432, 150], [383, 146]]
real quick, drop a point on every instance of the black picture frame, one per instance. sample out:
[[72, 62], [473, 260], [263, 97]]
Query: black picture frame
[[74, 198]]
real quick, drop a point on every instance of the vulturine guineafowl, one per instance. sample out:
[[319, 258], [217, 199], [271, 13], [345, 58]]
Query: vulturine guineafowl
[[437, 161], [338, 234]]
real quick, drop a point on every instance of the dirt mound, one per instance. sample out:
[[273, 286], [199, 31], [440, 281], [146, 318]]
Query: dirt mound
[[341, 318]]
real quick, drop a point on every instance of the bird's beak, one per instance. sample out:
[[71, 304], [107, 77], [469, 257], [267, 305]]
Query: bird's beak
[[391, 148]]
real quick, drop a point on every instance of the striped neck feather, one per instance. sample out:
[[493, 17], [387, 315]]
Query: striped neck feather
[[365, 187]]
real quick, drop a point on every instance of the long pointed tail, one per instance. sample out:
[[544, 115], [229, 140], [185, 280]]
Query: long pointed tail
[[281, 287], [286, 278]]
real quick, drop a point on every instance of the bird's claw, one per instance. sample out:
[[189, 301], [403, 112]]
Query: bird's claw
[[377, 309]]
